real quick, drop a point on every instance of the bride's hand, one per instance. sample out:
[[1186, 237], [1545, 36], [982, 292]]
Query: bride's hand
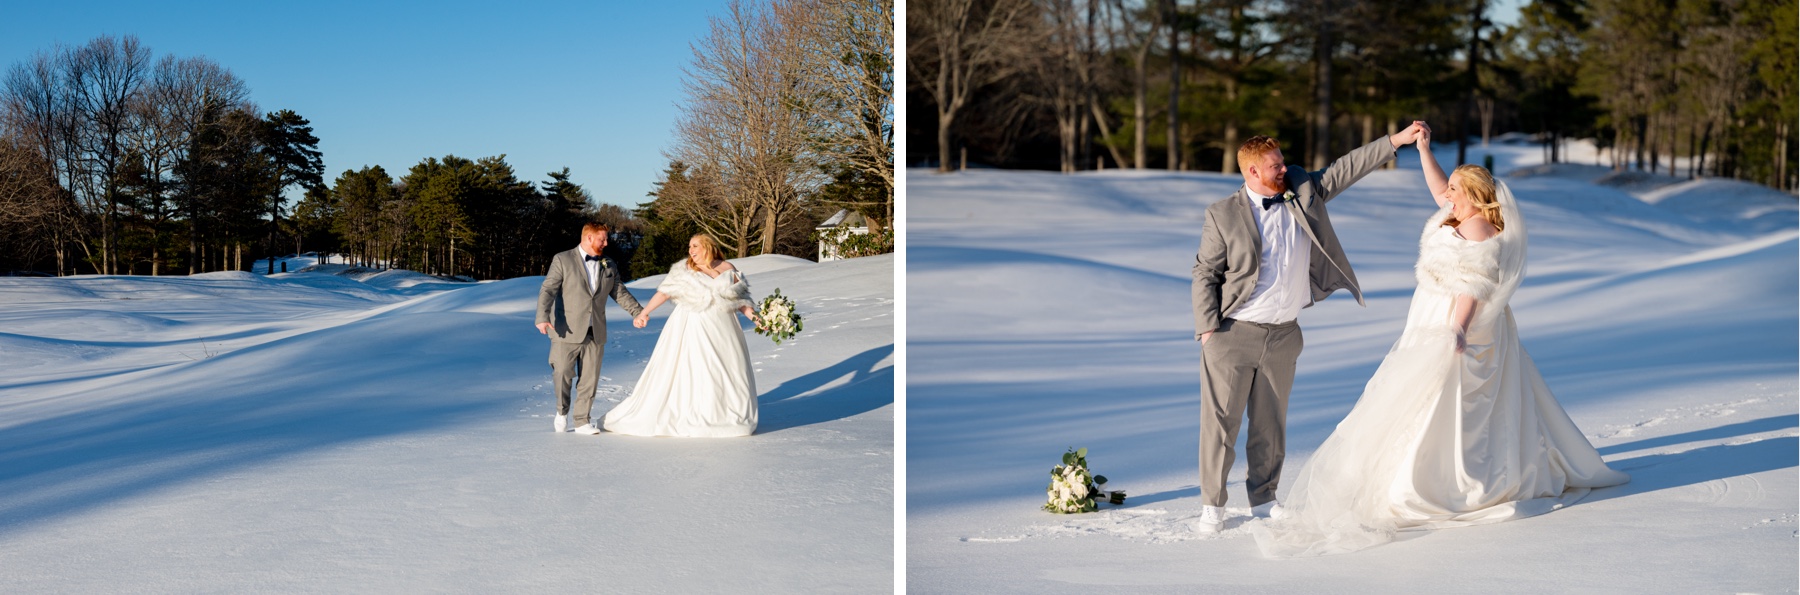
[[640, 320], [1424, 141]]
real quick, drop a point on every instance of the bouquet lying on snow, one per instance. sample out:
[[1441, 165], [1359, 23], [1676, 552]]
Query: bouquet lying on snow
[[1073, 489], [776, 317]]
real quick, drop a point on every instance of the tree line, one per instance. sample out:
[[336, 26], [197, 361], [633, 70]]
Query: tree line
[[456, 216], [116, 162], [1177, 84], [788, 116]]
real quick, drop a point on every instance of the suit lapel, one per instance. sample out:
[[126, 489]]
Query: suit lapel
[[1239, 203], [1294, 208], [576, 257]]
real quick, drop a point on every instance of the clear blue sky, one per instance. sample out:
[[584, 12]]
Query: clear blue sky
[[588, 85]]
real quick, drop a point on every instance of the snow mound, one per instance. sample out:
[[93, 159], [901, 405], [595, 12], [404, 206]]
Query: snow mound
[[1752, 207], [763, 263], [397, 279]]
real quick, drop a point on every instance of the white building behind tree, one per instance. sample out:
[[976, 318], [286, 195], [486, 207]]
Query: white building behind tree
[[842, 224]]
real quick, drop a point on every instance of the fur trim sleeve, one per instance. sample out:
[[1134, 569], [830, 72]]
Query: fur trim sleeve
[[694, 290], [1460, 267], [738, 292]]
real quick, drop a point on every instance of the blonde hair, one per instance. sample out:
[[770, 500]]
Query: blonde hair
[[712, 250], [1257, 146], [1478, 185]]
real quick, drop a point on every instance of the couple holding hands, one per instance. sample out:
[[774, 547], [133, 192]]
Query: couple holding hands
[[698, 381]]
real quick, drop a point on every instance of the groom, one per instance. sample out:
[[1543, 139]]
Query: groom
[[1265, 253], [572, 310]]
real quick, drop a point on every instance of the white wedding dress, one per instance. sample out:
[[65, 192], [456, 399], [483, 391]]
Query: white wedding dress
[[698, 382], [1441, 439]]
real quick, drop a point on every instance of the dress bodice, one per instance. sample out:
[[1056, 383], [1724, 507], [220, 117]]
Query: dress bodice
[[1452, 264]]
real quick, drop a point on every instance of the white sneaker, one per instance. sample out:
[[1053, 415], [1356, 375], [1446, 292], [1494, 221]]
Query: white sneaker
[[562, 423], [588, 429], [1268, 510], [1212, 518]]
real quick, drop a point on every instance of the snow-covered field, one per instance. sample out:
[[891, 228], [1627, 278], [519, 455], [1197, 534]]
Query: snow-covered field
[[390, 433], [1050, 311]]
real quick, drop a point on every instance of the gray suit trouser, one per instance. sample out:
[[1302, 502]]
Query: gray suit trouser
[[1246, 366], [569, 359]]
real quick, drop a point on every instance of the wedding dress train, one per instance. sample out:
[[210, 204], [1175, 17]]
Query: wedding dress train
[[698, 381], [1441, 439]]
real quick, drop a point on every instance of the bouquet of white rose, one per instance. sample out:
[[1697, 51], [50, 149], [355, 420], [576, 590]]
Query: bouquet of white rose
[[777, 318], [1073, 489]]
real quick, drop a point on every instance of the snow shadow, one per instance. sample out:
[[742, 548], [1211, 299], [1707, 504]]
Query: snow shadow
[[1650, 473], [1757, 426], [795, 403], [265, 405]]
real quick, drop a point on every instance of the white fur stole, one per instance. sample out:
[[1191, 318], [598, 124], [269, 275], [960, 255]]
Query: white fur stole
[[1457, 265], [695, 290]]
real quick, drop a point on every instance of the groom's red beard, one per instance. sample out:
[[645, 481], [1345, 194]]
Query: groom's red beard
[[1279, 184]]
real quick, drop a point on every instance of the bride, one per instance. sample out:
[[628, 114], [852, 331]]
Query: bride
[[1456, 427], [698, 381]]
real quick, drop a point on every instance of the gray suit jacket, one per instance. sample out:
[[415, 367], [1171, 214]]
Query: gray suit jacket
[[1231, 243], [571, 309]]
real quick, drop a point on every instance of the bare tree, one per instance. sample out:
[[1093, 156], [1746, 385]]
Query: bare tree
[[1150, 21], [1060, 64], [844, 57], [1721, 80], [168, 112], [35, 109], [1170, 16], [31, 206], [1056, 70], [706, 200], [105, 77], [740, 121], [955, 47]]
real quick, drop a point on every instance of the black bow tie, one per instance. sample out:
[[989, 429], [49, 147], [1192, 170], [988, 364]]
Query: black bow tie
[[1269, 202], [586, 258]]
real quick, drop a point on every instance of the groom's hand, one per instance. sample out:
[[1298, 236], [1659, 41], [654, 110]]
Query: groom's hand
[[1408, 136], [543, 328], [1204, 336]]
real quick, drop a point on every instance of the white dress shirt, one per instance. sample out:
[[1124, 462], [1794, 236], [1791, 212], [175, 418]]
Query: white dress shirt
[[1281, 278], [593, 270]]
